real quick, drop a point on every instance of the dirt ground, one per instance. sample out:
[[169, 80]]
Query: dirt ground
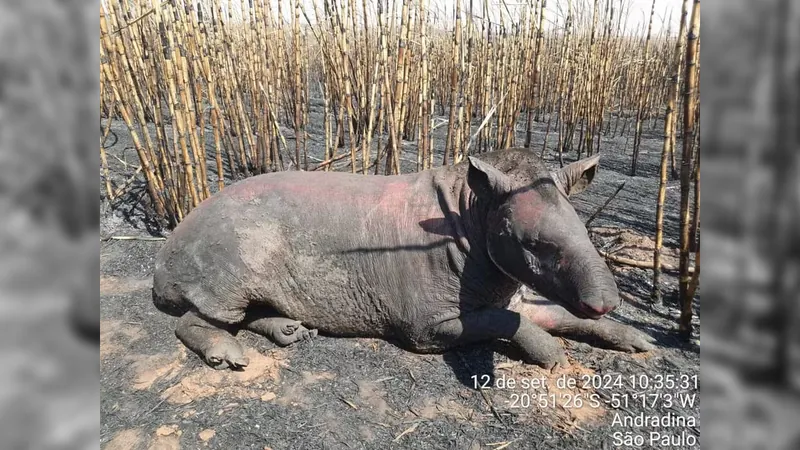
[[364, 393]]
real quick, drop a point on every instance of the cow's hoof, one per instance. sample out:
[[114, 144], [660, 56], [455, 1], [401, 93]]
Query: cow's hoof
[[290, 327], [550, 356], [621, 337], [307, 335], [227, 355], [637, 342], [298, 334]]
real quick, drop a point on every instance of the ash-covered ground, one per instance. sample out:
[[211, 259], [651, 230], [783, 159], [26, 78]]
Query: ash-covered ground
[[364, 393]]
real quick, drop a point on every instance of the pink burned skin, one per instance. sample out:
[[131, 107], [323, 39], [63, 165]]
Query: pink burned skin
[[430, 259], [540, 227], [529, 207]]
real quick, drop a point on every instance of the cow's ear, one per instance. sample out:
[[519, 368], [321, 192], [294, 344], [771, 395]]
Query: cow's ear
[[485, 180], [574, 178]]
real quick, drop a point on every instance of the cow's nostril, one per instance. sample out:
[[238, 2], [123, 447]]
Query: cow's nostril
[[602, 309]]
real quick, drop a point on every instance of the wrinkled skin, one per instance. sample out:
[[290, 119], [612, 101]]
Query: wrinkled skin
[[431, 259]]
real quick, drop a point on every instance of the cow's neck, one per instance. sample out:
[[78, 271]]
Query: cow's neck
[[468, 257]]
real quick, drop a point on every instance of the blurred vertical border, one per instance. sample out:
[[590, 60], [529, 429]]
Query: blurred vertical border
[[750, 99], [49, 224]]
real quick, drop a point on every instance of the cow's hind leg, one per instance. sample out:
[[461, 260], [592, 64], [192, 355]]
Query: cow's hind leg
[[211, 342], [280, 330]]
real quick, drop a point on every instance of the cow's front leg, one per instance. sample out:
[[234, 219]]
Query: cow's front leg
[[210, 341], [604, 333], [488, 324]]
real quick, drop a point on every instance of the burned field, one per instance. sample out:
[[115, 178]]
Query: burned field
[[368, 393]]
